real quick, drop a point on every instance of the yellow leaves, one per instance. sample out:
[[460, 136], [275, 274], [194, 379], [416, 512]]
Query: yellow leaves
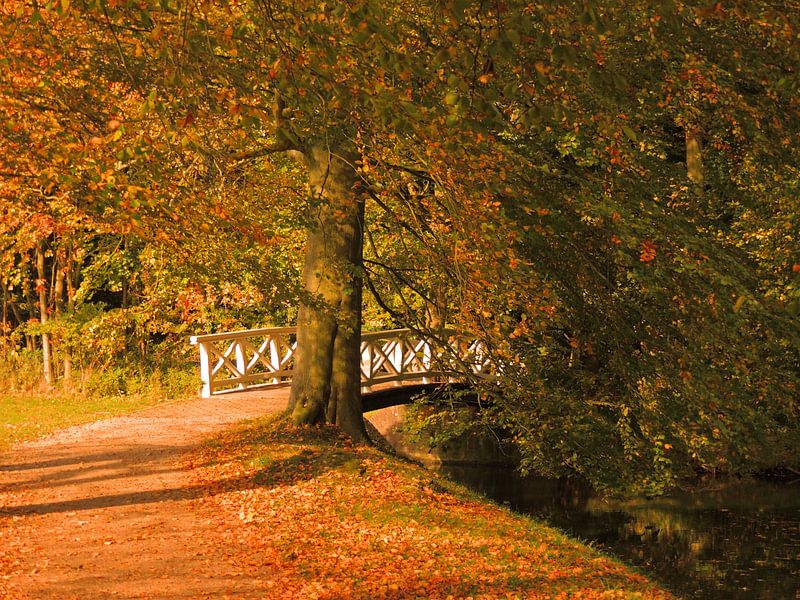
[[156, 33], [108, 177]]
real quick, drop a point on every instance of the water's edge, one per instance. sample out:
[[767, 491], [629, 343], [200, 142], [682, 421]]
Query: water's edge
[[736, 539]]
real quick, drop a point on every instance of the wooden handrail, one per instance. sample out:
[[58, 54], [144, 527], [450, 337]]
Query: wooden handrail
[[243, 333]]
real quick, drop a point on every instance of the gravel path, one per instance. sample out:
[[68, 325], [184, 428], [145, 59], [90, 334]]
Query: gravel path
[[111, 509]]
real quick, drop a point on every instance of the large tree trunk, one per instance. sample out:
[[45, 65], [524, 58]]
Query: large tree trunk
[[326, 383]]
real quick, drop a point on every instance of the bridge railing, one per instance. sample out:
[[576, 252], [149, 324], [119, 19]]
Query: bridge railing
[[239, 360], [402, 356]]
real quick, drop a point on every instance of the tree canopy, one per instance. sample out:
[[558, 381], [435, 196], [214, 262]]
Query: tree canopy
[[605, 193]]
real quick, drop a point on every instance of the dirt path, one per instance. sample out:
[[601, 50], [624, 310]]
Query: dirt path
[[110, 509]]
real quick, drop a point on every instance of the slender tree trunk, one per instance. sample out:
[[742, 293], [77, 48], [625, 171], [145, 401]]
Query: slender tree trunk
[[58, 304], [30, 342], [5, 324], [62, 286], [58, 290], [694, 158], [17, 311], [436, 308], [41, 285], [125, 278], [70, 307], [327, 374]]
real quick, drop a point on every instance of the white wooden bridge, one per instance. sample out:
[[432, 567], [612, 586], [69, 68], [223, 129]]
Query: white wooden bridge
[[241, 360]]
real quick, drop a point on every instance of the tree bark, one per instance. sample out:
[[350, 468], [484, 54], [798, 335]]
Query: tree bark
[[326, 383], [41, 286]]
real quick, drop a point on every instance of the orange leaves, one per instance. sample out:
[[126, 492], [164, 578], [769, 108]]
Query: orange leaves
[[648, 251], [326, 519]]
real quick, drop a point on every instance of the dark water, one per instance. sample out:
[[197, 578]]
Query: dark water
[[730, 541]]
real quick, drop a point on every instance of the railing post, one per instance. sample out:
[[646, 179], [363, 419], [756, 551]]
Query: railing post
[[367, 364], [205, 372], [274, 357], [426, 361], [397, 358], [241, 363], [455, 348]]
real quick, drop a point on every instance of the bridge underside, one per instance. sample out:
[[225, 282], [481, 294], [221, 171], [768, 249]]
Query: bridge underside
[[405, 394]]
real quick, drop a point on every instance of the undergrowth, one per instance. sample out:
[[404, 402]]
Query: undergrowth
[[29, 409]]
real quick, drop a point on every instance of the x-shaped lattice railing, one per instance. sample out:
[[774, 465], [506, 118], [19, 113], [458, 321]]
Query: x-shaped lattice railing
[[265, 357]]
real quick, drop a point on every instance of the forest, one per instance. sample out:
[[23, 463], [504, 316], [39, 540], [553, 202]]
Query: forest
[[606, 194]]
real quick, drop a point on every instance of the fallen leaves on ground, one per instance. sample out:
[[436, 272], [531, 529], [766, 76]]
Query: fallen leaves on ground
[[9, 558], [334, 520]]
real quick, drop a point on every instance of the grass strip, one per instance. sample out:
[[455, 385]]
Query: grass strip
[[27, 416]]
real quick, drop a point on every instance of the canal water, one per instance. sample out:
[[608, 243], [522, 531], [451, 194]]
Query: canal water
[[732, 540]]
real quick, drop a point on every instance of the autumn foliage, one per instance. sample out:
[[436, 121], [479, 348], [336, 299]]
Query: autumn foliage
[[605, 193]]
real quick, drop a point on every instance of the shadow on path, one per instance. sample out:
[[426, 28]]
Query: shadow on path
[[133, 461], [296, 468]]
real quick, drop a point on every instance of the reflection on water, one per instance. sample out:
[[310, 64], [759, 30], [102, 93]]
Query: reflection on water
[[741, 541]]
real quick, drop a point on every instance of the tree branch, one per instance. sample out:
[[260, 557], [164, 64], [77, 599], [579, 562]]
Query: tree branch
[[284, 145]]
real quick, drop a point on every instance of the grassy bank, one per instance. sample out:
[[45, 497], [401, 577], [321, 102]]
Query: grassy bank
[[338, 521]]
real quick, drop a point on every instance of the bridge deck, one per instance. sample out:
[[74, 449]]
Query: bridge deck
[[382, 396]]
